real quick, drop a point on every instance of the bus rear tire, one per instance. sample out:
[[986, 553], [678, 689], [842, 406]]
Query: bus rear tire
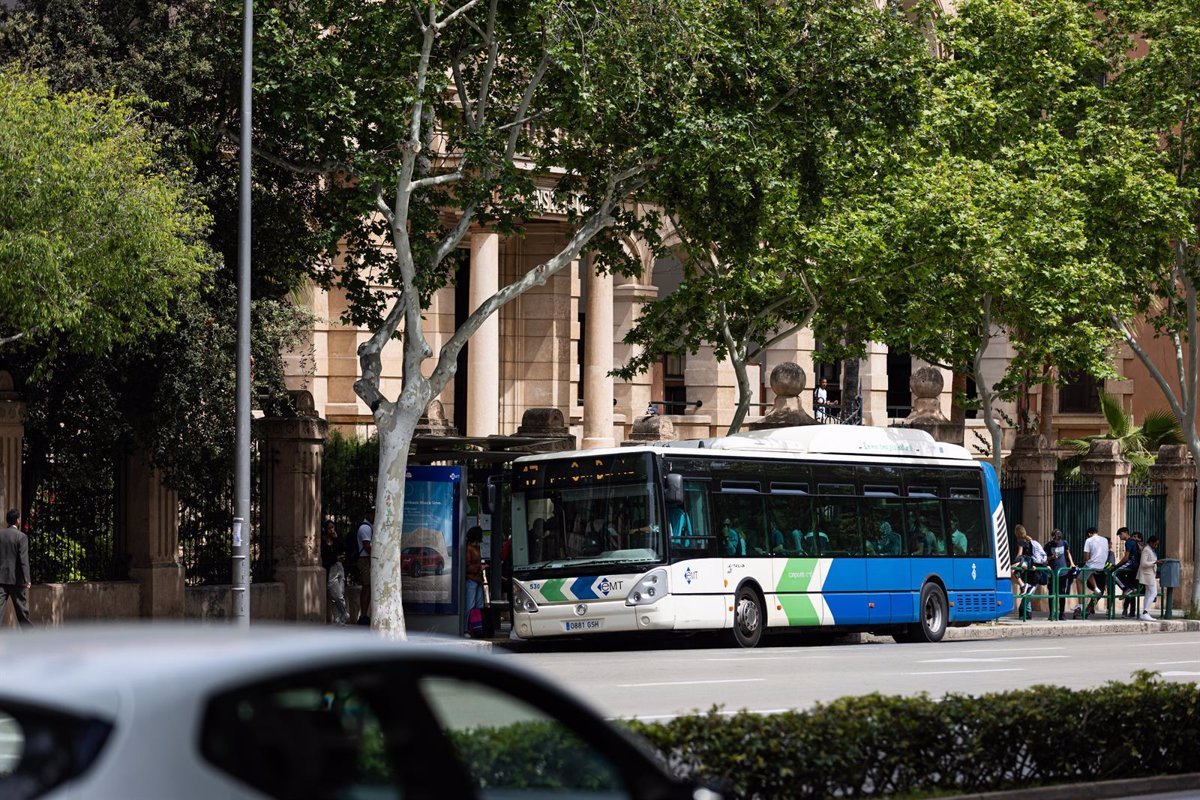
[[748, 617], [933, 617]]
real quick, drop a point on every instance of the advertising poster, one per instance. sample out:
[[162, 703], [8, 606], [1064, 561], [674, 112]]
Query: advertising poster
[[429, 540]]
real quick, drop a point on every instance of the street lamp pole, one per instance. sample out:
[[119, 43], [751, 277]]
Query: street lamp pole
[[241, 521]]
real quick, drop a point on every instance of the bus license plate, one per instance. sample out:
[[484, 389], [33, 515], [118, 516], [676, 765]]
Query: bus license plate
[[583, 624]]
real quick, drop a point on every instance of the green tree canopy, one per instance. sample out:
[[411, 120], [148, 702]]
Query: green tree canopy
[[96, 244]]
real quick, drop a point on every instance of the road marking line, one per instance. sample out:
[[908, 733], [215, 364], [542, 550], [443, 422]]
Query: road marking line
[[768, 658], [687, 683], [1185, 643], [985, 660], [1175, 674], [1014, 650], [968, 671], [1166, 663]]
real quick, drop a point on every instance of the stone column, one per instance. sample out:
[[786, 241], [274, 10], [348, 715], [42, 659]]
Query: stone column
[[1033, 460], [151, 516], [873, 384], [787, 384], [597, 359], [628, 298], [926, 385], [1176, 469], [12, 439], [483, 352], [1105, 464], [291, 500]]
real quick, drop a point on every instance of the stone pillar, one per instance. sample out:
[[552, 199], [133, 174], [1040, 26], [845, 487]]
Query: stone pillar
[[1034, 460], [598, 359], [1105, 464], [293, 447], [151, 516], [628, 298], [873, 384], [550, 427], [12, 439], [787, 384], [650, 429], [483, 352], [1176, 469], [926, 385]]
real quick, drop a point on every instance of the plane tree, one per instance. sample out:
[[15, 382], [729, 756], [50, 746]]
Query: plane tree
[[1155, 90], [812, 118], [426, 119], [1018, 209]]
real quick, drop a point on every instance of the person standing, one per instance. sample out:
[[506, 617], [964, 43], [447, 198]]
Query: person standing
[[1058, 558], [474, 576], [15, 578], [821, 400], [333, 558], [362, 540], [1146, 577]]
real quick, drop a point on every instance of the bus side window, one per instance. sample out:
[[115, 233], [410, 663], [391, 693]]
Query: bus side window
[[883, 529], [836, 530], [966, 525], [693, 537]]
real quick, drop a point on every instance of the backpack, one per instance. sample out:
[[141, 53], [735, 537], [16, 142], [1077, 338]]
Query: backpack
[[351, 546]]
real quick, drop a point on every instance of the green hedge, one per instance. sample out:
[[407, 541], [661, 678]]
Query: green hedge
[[914, 746]]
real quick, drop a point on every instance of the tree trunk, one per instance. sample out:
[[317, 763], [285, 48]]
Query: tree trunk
[[387, 605], [850, 388], [1046, 407], [958, 391], [744, 393]]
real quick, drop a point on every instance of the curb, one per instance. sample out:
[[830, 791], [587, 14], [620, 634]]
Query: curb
[[1128, 787], [1016, 630]]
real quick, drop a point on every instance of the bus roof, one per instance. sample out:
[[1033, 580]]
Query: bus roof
[[835, 439], [859, 440]]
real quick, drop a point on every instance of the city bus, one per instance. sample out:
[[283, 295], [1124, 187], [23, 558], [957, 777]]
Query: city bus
[[834, 528]]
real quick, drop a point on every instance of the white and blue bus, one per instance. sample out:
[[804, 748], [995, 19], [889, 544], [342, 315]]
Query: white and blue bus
[[845, 528]]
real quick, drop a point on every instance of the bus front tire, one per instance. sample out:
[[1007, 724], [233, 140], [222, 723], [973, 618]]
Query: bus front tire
[[933, 617], [748, 617]]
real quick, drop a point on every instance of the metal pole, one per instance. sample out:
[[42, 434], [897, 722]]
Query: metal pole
[[241, 521]]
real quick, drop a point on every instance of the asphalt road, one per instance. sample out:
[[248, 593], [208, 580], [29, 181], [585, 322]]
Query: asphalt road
[[657, 681]]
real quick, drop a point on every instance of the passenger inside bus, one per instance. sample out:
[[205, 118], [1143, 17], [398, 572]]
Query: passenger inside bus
[[889, 543], [958, 539], [679, 525], [816, 542], [735, 540]]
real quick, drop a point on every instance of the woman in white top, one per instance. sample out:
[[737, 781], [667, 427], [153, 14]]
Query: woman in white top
[[1145, 575]]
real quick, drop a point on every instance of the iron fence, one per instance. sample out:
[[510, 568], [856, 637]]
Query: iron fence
[[1146, 511], [349, 469], [73, 521], [1076, 508], [206, 536]]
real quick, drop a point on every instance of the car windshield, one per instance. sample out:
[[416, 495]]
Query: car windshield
[[598, 511]]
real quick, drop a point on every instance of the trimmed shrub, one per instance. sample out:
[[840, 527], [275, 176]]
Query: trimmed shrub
[[881, 745]]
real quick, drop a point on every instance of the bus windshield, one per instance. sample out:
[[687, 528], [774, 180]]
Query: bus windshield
[[586, 511]]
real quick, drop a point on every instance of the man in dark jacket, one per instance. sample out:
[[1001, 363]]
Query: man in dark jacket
[[14, 568]]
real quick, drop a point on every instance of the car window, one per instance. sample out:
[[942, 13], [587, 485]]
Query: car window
[[41, 749], [512, 749], [315, 737]]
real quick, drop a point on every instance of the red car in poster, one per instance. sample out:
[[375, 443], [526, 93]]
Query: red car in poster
[[418, 561]]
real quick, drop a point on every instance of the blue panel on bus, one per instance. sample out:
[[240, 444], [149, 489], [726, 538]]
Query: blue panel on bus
[[888, 575], [848, 609], [844, 575]]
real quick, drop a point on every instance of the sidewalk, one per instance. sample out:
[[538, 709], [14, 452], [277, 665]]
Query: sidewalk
[[1014, 627]]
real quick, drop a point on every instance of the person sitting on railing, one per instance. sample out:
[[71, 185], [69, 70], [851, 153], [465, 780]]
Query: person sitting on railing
[[1095, 552], [1125, 573], [1063, 565]]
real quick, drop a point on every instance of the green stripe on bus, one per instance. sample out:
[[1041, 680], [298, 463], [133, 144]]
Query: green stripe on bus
[[552, 590], [800, 609], [798, 575]]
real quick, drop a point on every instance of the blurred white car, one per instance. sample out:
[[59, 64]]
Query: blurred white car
[[205, 712]]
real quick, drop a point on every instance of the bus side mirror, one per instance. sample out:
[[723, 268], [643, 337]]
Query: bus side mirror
[[491, 497], [674, 489]]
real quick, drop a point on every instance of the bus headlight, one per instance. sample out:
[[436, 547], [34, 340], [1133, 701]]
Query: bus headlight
[[522, 601], [650, 589]]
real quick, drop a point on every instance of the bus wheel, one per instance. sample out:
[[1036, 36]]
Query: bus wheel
[[748, 617], [934, 617]]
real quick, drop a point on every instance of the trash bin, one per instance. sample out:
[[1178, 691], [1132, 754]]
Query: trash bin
[[1169, 578], [1168, 573]]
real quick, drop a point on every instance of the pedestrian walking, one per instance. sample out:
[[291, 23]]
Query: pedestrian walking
[[333, 558], [1146, 576], [15, 578]]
